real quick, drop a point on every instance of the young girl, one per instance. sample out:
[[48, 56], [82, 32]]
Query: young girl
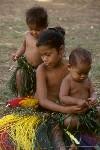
[[49, 76], [53, 69], [23, 81]]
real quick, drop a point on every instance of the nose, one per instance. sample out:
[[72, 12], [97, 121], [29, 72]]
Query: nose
[[44, 58]]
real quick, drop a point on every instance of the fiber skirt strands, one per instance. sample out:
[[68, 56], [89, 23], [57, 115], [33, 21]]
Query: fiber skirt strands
[[29, 128]]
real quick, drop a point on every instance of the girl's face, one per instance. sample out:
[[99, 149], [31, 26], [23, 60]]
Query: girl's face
[[80, 71], [34, 30], [50, 56]]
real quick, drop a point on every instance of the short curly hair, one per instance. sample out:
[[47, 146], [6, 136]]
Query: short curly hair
[[37, 15], [80, 55]]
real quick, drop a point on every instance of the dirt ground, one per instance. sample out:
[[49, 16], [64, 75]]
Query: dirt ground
[[80, 18]]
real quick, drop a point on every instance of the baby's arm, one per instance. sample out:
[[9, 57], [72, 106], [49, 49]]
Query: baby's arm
[[64, 94], [93, 96], [43, 97], [20, 51]]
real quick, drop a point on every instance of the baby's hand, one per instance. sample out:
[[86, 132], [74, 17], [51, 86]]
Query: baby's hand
[[92, 102], [14, 57], [82, 103]]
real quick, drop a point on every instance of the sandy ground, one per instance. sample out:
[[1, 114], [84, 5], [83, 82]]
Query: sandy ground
[[80, 18]]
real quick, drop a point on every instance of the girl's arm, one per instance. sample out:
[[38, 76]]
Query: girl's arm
[[43, 98]]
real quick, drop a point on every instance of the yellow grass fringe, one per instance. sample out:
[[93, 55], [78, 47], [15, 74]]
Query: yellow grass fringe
[[21, 129]]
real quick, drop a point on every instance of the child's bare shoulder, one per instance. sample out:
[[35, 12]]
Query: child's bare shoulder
[[68, 78], [28, 36], [41, 68], [27, 33]]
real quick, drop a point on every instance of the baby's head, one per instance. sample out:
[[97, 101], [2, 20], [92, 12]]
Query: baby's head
[[80, 61], [37, 20], [51, 45]]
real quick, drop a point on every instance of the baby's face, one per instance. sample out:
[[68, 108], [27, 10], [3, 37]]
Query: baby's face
[[35, 31], [80, 71]]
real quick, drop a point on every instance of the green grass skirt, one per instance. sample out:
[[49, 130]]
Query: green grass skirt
[[28, 78]]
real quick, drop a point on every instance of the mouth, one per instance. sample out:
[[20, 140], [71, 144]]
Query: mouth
[[48, 65], [82, 78]]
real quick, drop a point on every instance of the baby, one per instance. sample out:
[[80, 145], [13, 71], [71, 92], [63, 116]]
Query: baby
[[77, 88]]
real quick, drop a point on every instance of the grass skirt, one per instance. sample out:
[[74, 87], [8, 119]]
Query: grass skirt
[[30, 129], [28, 83]]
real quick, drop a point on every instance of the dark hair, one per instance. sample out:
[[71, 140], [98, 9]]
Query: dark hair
[[80, 55], [38, 16], [52, 37], [58, 29]]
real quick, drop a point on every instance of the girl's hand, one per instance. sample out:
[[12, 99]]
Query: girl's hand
[[75, 109], [82, 104], [14, 57], [78, 110]]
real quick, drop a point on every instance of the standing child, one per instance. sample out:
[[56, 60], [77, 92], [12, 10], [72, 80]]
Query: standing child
[[49, 77], [77, 87], [23, 81]]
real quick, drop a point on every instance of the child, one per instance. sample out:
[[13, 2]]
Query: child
[[49, 77], [23, 82], [53, 69], [28, 129], [77, 87]]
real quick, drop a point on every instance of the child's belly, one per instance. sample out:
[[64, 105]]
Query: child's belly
[[33, 58]]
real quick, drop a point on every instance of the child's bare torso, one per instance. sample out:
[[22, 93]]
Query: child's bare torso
[[79, 89], [54, 78], [31, 53]]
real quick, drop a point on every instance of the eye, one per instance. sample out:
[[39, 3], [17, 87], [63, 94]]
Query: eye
[[86, 73], [48, 55], [79, 73]]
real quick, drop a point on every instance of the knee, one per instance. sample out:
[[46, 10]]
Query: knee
[[71, 122]]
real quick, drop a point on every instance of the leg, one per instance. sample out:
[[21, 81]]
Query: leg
[[19, 82], [57, 138], [71, 122]]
